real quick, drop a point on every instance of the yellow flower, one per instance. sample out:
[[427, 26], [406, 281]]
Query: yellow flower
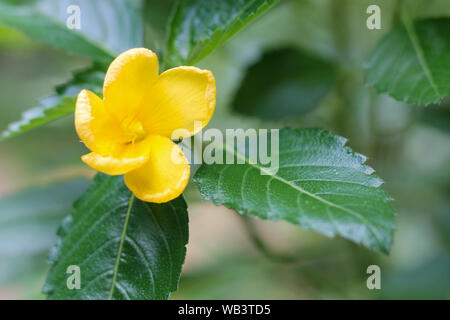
[[129, 130]]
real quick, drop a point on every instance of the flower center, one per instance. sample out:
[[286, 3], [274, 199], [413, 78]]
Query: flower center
[[133, 130]]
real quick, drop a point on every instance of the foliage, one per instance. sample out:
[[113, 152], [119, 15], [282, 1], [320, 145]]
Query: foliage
[[320, 185], [130, 249], [127, 249], [60, 104], [289, 78], [198, 27], [410, 63], [111, 26]]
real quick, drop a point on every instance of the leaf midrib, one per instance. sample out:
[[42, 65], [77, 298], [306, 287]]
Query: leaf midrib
[[225, 29], [79, 35], [410, 30], [119, 251]]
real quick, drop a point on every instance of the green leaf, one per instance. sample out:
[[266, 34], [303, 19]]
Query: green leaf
[[59, 105], [157, 14], [108, 27], [287, 78], [125, 248], [411, 62], [198, 27], [320, 185]]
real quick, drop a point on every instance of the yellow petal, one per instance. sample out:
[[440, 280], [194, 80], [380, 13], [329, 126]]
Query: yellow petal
[[179, 97], [110, 165], [126, 157], [95, 127], [164, 176], [128, 78]]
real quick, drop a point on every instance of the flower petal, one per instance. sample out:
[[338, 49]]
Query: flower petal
[[94, 126], [128, 78], [179, 97], [164, 176], [112, 166], [125, 158]]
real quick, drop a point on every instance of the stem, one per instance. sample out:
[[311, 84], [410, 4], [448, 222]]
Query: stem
[[398, 9], [345, 70], [373, 125], [119, 251], [339, 15], [262, 247]]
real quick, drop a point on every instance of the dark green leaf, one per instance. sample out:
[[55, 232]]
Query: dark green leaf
[[198, 27], [125, 248], [157, 14], [411, 62], [320, 185], [284, 83], [108, 27], [58, 105]]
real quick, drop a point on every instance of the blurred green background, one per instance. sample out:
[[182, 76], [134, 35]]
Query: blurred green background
[[41, 172]]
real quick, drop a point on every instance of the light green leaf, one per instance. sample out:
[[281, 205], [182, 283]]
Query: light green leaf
[[59, 105], [125, 248], [198, 27], [287, 78], [108, 27], [411, 62], [320, 185]]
